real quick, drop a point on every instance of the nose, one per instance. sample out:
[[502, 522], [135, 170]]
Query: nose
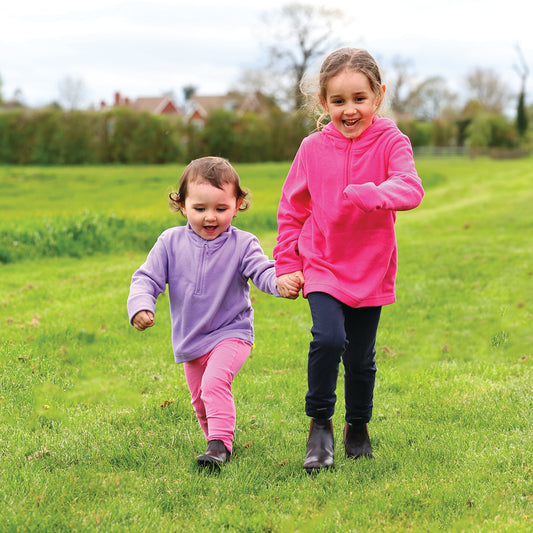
[[350, 109], [210, 215]]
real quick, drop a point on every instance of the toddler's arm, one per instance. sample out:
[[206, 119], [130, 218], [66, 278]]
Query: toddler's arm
[[143, 320]]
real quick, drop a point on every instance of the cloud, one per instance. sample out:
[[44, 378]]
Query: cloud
[[142, 48]]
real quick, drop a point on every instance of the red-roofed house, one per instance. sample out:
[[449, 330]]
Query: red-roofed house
[[158, 105], [199, 107]]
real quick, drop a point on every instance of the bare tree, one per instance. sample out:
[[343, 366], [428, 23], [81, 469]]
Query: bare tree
[[18, 98], [299, 34], [429, 97], [253, 81], [399, 85], [72, 92], [488, 89], [410, 96]]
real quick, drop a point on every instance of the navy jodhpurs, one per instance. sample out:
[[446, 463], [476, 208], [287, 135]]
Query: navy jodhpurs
[[347, 333]]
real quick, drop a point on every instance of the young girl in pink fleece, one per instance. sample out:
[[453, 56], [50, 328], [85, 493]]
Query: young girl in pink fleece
[[336, 235]]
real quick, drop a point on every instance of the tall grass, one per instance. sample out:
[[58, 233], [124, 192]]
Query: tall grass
[[96, 428]]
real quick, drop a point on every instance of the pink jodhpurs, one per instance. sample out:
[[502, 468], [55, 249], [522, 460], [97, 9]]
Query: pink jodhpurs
[[209, 378]]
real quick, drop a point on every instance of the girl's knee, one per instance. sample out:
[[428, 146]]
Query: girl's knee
[[328, 341], [215, 385]]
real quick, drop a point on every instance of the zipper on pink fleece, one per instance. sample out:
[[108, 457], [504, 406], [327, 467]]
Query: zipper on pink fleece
[[347, 161]]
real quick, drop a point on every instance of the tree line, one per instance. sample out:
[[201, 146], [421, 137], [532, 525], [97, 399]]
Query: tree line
[[53, 136], [425, 110]]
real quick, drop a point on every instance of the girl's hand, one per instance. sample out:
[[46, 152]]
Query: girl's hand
[[143, 320], [289, 285]]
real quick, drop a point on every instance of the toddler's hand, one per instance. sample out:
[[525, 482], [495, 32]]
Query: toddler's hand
[[143, 320], [289, 285]]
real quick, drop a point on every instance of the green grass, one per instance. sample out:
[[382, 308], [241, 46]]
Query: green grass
[[123, 190], [78, 211], [96, 428]]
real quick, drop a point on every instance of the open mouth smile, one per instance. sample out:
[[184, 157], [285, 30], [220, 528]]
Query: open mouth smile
[[350, 123]]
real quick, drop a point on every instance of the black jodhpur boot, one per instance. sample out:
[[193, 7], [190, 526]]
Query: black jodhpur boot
[[215, 456], [356, 440], [320, 445]]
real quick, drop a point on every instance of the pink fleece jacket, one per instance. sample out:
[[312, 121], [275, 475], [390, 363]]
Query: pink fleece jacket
[[338, 208]]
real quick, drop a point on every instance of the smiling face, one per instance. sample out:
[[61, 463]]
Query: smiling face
[[350, 102], [210, 210]]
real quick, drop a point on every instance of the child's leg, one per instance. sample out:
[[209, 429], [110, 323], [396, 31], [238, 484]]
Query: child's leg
[[225, 360], [325, 353], [194, 371], [359, 362]]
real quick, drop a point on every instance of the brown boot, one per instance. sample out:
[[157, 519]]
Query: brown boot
[[320, 445], [357, 441], [215, 456]]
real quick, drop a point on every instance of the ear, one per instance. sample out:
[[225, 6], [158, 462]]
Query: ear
[[323, 102], [237, 207], [383, 89]]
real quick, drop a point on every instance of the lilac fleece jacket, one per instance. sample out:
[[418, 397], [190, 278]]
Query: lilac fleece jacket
[[338, 208], [207, 285]]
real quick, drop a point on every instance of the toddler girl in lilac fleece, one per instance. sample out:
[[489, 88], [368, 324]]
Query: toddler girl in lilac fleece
[[206, 265]]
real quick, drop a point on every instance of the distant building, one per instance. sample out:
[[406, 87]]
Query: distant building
[[158, 105], [197, 108]]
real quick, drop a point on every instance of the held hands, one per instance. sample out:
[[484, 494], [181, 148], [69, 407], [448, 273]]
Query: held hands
[[143, 320], [289, 285]]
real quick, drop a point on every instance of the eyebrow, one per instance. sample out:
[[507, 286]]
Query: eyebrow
[[339, 95], [202, 204]]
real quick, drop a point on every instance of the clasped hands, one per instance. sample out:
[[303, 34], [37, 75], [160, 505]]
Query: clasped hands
[[289, 285]]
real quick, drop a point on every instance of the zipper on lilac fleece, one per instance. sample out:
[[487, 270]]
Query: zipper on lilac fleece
[[200, 275]]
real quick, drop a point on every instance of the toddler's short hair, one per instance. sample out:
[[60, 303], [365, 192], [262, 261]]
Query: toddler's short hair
[[216, 171]]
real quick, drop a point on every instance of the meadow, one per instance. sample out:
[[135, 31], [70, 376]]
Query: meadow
[[96, 428]]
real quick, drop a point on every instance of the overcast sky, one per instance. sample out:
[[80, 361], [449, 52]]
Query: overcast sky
[[146, 48]]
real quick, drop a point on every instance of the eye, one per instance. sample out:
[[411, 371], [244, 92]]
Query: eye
[[222, 209], [199, 209]]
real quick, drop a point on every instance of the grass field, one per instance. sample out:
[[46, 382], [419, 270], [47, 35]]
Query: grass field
[[96, 428]]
